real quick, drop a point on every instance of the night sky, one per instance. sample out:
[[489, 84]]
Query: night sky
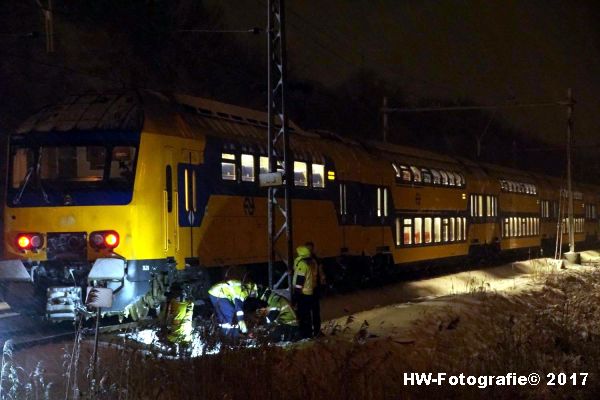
[[484, 51]]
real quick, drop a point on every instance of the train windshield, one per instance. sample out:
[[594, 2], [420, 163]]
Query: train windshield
[[71, 174]]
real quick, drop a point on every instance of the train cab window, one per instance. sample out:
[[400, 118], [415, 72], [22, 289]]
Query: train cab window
[[437, 229], [407, 231], [418, 239], [318, 175], [247, 168], [300, 173], [427, 178], [22, 158], [263, 165], [416, 173], [436, 177], [228, 167], [427, 232], [121, 163], [444, 177]]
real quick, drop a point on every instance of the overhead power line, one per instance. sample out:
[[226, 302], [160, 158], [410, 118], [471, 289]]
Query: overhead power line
[[469, 108]]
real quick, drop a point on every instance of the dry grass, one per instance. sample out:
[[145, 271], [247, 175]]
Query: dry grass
[[555, 329]]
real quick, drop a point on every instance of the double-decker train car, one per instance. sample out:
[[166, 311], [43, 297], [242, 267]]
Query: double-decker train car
[[138, 190]]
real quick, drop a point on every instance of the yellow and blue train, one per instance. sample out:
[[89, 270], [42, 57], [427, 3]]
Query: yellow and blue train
[[143, 189]]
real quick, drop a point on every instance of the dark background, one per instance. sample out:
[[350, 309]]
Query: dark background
[[344, 56]]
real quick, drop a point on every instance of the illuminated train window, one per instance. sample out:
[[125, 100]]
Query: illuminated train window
[[247, 168], [318, 175], [228, 167], [513, 227], [300, 173], [436, 177], [518, 187], [427, 178], [263, 165], [416, 173], [421, 231], [444, 177]]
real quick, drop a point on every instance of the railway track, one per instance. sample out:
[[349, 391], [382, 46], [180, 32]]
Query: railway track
[[28, 331]]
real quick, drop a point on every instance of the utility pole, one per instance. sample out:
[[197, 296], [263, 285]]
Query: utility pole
[[279, 204], [385, 120], [569, 182]]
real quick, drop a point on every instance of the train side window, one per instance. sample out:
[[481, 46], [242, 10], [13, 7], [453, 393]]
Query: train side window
[[437, 229], [407, 231], [247, 168], [427, 238], [450, 178], [398, 232], [445, 229], [444, 177], [436, 177], [416, 173], [406, 175], [418, 230], [228, 167], [169, 187], [300, 172], [318, 175], [378, 202], [263, 165], [451, 229], [426, 175], [459, 228], [397, 171]]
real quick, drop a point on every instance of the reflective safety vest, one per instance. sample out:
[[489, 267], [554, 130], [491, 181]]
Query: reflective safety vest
[[180, 321], [305, 277], [280, 310], [236, 292], [233, 290]]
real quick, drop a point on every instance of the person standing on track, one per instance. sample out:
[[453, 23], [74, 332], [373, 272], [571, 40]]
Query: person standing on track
[[318, 291], [304, 283]]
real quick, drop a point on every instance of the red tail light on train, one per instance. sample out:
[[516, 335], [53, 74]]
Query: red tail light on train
[[104, 240], [30, 241]]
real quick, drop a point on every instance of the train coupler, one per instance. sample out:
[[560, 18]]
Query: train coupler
[[63, 303]]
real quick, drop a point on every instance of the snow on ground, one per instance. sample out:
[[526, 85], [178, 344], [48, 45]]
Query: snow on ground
[[392, 310]]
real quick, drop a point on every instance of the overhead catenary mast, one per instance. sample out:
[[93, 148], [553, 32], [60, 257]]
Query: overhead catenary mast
[[279, 206]]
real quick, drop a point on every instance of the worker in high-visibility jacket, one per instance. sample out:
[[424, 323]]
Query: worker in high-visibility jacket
[[304, 284], [228, 299], [280, 317], [178, 317]]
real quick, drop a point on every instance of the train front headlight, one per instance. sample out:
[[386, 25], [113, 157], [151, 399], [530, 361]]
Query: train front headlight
[[30, 241], [104, 240]]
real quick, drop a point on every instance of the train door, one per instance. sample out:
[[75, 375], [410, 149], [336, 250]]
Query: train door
[[170, 239], [189, 205]]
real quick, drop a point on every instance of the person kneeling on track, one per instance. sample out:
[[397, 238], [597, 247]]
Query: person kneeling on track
[[177, 316], [281, 319], [228, 299]]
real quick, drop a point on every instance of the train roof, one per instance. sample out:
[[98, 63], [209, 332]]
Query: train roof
[[189, 116]]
